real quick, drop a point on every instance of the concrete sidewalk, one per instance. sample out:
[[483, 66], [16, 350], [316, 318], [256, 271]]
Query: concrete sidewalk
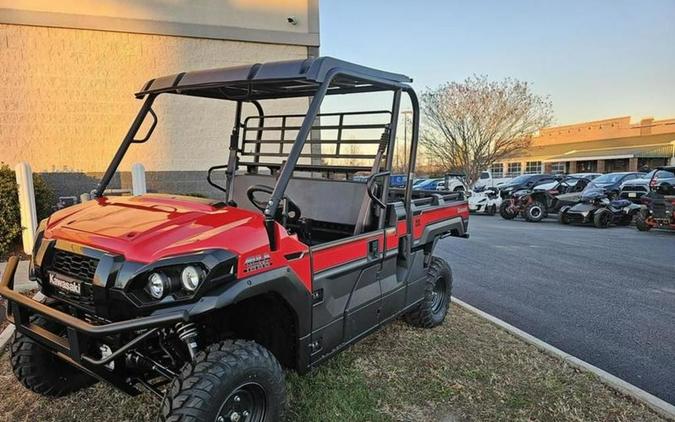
[[21, 281]]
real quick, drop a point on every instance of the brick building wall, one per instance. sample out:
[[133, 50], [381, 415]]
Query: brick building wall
[[66, 97], [66, 91]]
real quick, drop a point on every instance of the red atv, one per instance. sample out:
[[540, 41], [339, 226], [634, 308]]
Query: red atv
[[659, 203], [202, 302]]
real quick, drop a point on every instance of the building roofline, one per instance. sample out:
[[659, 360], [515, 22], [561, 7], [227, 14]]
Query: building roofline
[[178, 29]]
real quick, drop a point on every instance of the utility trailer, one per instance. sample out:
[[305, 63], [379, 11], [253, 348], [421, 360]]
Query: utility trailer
[[202, 302]]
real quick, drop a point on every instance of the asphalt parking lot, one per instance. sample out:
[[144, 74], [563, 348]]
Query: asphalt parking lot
[[604, 296]]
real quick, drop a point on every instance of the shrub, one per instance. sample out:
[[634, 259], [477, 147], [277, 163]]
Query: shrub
[[10, 217]]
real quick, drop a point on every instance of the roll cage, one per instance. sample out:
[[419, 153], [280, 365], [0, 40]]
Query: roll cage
[[313, 77]]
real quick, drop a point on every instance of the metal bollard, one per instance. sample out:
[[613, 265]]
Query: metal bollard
[[138, 186], [24, 181]]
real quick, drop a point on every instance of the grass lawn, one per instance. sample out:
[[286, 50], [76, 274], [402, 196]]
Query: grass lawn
[[466, 369]]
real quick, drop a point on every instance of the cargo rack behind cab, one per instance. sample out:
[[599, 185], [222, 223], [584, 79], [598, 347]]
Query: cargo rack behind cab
[[338, 141]]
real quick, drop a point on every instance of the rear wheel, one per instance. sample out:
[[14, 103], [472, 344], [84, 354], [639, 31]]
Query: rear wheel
[[534, 212], [641, 222], [431, 311], [506, 211], [602, 218], [562, 216], [234, 380], [491, 210], [41, 371]]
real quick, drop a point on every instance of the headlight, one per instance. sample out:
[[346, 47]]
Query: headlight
[[190, 277], [158, 283]]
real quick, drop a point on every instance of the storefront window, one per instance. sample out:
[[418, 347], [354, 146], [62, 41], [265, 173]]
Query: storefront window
[[587, 166], [533, 167], [514, 170], [558, 168], [497, 170]]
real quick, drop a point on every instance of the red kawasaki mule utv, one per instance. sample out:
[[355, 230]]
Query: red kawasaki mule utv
[[201, 302]]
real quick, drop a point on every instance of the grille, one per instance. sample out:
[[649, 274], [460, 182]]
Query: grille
[[629, 188], [575, 218], [79, 267]]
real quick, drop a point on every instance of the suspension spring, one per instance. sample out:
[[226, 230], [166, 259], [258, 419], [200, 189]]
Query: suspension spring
[[188, 333]]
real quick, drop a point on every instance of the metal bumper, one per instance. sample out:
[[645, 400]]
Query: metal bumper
[[80, 333]]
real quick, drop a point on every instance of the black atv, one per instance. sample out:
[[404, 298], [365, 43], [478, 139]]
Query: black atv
[[534, 204], [597, 209]]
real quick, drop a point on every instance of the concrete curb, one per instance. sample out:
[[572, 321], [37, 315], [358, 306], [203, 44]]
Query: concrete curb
[[6, 334], [661, 407]]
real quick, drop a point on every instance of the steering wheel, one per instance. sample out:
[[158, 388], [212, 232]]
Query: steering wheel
[[293, 214]]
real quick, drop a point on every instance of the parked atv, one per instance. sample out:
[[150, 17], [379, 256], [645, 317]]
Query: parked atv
[[202, 302], [659, 211], [536, 203], [597, 209], [484, 200]]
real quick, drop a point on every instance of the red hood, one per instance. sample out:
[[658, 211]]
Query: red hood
[[149, 227]]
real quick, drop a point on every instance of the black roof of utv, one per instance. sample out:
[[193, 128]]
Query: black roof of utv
[[292, 78]]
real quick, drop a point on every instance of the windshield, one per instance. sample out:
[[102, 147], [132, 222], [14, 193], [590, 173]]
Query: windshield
[[520, 179], [609, 178], [665, 174], [429, 182]]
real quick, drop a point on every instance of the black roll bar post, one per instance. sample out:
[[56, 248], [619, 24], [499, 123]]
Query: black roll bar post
[[259, 132], [233, 159], [413, 153], [126, 142], [289, 167], [293, 156], [391, 151]]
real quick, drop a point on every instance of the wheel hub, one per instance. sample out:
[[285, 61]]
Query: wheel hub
[[438, 295], [246, 404]]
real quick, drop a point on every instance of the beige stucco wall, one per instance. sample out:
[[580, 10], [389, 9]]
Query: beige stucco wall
[[66, 97]]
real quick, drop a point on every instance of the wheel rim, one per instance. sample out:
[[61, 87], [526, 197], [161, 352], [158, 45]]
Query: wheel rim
[[246, 403], [535, 212], [438, 295]]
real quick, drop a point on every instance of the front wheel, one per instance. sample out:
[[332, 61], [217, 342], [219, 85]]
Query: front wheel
[[40, 370], [433, 308], [602, 218], [534, 212], [506, 211], [234, 380], [562, 216]]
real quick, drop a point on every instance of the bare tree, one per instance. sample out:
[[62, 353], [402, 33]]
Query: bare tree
[[472, 124]]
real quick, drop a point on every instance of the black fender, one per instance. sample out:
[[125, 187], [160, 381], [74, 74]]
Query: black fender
[[281, 281], [455, 226]]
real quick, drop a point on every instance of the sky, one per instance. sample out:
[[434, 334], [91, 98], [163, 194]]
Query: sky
[[596, 59]]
